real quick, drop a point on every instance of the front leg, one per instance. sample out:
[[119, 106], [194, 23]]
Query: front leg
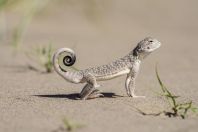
[[128, 79], [130, 85]]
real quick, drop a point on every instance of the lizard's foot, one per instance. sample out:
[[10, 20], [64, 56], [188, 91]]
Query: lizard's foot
[[89, 92], [95, 94], [97, 86], [135, 96]]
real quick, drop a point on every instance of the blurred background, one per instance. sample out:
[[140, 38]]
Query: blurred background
[[99, 26], [99, 31]]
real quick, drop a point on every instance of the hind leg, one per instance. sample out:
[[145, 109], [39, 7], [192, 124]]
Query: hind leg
[[95, 94], [86, 91], [89, 92], [91, 79]]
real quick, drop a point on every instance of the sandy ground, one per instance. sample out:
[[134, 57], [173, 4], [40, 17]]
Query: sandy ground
[[35, 102]]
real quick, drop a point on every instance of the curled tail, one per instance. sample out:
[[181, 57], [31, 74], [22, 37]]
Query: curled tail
[[67, 57]]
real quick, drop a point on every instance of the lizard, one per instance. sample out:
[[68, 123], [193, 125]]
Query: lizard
[[129, 65]]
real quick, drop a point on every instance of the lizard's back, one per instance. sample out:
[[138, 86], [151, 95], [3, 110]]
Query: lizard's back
[[111, 70]]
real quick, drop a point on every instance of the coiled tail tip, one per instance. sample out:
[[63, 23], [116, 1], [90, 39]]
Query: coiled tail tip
[[63, 56]]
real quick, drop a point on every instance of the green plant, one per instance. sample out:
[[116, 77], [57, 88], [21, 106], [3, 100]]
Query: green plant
[[43, 57], [30, 9], [71, 126], [68, 126], [3, 25], [26, 9], [7, 3], [177, 108]]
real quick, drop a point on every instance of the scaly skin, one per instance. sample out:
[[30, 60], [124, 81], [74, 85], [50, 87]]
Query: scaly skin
[[128, 64]]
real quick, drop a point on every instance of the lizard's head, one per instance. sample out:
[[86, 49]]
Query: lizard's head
[[146, 46]]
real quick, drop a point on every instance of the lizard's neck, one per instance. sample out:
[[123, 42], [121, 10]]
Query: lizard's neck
[[138, 56], [134, 56]]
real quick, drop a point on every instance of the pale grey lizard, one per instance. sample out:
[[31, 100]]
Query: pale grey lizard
[[128, 64]]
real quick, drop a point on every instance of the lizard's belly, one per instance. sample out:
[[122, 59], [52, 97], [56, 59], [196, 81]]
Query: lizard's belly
[[112, 75]]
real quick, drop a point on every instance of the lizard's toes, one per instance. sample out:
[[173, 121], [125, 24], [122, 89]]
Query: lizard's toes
[[95, 95], [135, 96], [97, 86], [129, 94]]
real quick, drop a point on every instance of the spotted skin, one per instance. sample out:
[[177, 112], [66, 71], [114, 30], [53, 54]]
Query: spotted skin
[[128, 64]]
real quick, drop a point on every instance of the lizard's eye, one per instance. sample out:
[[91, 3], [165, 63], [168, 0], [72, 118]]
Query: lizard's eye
[[151, 41], [148, 47]]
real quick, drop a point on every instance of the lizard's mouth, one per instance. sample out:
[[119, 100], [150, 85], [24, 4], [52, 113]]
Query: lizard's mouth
[[158, 45], [155, 46]]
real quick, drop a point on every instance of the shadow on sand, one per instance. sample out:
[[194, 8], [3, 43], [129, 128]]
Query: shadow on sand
[[75, 96]]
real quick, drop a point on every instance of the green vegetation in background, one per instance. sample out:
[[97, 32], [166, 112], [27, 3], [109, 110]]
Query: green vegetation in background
[[7, 3], [28, 10], [43, 57], [93, 10], [69, 126]]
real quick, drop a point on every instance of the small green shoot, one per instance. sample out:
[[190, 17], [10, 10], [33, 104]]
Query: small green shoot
[[177, 109], [71, 126], [42, 56], [45, 56], [68, 126]]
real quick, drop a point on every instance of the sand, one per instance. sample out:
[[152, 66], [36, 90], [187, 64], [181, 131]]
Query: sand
[[37, 102]]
